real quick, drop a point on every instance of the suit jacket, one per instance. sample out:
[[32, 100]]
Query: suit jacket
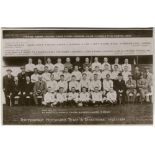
[[28, 88], [40, 86], [8, 83], [119, 85], [22, 80]]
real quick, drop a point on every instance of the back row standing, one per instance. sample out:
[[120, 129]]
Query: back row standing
[[40, 67]]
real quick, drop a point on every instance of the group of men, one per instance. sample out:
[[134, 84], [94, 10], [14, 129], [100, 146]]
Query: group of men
[[77, 84]]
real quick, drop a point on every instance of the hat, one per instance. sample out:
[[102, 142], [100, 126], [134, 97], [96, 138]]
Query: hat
[[9, 70]]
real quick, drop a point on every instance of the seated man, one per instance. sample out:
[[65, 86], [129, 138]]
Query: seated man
[[107, 84], [39, 90], [84, 82], [131, 90], [84, 97], [49, 98], [68, 64], [74, 83], [95, 83], [88, 73], [61, 97], [8, 83], [97, 99], [28, 92], [67, 75], [105, 62], [120, 87], [63, 83], [73, 97], [52, 84], [142, 85], [111, 96]]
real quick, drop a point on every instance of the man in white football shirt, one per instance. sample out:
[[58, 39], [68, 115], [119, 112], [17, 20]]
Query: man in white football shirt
[[59, 65], [105, 62], [96, 63], [95, 83], [49, 65], [40, 66], [63, 83], [29, 68], [77, 73], [126, 64]]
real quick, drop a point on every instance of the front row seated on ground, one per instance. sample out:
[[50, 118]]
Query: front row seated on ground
[[83, 98]]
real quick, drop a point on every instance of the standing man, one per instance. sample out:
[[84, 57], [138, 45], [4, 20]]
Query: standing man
[[40, 66], [68, 64], [96, 63], [8, 83], [136, 74], [86, 64], [28, 92], [59, 65], [105, 62], [46, 75], [29, 68], [126, 64], [117, 63], [78, 63], [95, 83], [34, 76], [63, 83], [21, 81], [49, 65], [120, 87]]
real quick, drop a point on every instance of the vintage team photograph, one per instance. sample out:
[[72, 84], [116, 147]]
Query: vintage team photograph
[[77, 76]]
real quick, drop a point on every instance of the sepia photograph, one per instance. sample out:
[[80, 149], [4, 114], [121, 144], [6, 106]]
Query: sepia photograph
[[77, 76]]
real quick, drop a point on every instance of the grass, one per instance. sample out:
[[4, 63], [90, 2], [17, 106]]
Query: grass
[[118, 114]]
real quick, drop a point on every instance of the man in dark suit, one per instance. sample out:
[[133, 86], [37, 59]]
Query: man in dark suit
[[39, 89], [120, 87], [21, 82], [8, 83], [16, 92], [28, 91]]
